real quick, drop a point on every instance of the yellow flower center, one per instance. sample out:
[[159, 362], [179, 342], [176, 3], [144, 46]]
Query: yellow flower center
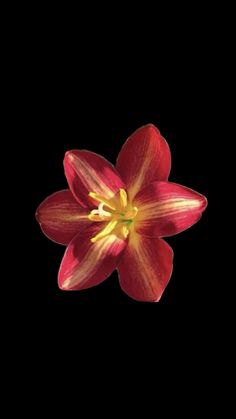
[[117, 211]]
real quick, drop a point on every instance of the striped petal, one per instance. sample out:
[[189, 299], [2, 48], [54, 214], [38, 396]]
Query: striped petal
[[145, 268], [88, 172], [86, 264], [165, 209], [144, 158], [61, 217]]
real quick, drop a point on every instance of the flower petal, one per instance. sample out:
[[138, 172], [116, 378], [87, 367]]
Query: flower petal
[[60, 217], [165, 208], [144, 158], [88, 172], [145, 268], [86, 264]]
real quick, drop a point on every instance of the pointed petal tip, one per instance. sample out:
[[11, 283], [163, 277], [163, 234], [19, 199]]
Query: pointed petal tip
[[64, 286], [69, 157], [202, 201], [37, 215], [205, 202], [151, 127], [166, 208], [69, 153], [158, 298], [38, 212], [60, 217], [148, 127]]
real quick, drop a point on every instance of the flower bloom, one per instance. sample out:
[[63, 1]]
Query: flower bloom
[[114, 218]]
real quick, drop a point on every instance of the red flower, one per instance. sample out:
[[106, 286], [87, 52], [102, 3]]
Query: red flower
[[114, 218]]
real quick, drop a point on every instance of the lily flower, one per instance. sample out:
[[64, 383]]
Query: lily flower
[[114, 218]]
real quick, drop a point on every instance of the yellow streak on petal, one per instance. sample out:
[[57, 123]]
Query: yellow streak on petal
[[66, 283], [142, 259], [53, 214], [72, 217], [123, 198], [107, 230], [89, 175], [90, 263], [97, 217], [170, 206], [137, 181]]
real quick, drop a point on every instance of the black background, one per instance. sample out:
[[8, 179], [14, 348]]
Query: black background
[[93, 95], [87, 80], [98, 114], [90, 88]]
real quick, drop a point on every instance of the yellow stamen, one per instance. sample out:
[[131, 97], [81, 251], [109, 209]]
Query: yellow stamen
[[96, 217], [125, 231], [99, 214], [102, 212], [117, 210], [107, 230], [100, 198], [123, 198]]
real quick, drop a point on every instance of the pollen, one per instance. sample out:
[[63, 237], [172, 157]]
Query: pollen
[[117, 212]]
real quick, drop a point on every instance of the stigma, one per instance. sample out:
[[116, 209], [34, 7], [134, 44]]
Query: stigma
[[117, 212]]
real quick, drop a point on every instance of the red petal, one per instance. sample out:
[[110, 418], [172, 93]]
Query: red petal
[[61, 217], [165, 208], [86, 264], [145, 268], [144, 158], [88, 172]]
